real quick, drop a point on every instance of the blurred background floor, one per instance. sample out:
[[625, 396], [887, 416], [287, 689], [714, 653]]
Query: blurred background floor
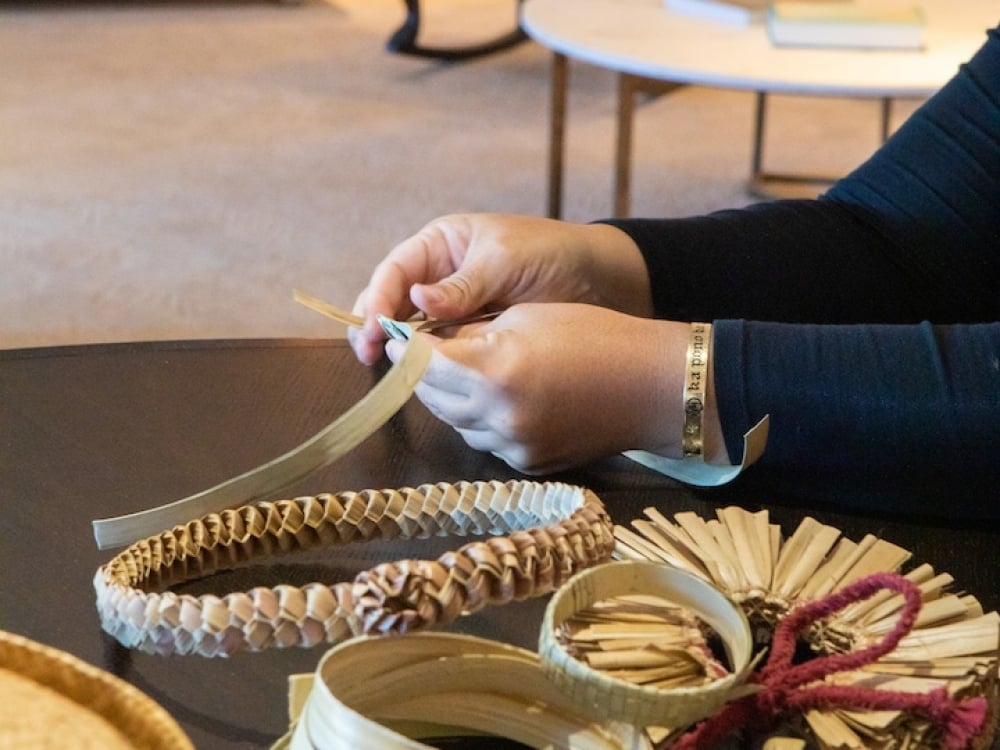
[[174, 169]]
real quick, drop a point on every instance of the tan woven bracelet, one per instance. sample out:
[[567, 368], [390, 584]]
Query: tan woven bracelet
[[553, 530]]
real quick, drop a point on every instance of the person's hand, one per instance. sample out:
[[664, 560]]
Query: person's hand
[[549, 386], [460, 265]]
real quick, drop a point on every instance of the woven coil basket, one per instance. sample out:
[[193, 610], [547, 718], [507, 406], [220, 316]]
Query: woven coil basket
[[53, 700]]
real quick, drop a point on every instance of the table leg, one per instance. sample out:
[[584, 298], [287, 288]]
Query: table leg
[[760, 105], [886, 118], [769, 185], [772, 185], [557, 132], [627, 85]]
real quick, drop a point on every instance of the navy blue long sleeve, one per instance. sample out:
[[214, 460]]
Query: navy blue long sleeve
[[867, 322]]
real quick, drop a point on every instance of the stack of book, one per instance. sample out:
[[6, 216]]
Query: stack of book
[[848, 24], [732, 12], [852, 25]]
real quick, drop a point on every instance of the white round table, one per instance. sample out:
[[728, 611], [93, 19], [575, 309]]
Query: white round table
[[641, 40]]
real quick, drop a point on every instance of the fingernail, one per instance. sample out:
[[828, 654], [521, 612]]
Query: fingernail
[[394, 349], [434, 294]]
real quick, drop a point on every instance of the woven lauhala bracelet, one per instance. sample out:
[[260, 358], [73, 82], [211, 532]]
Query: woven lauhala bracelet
[[551, 531]]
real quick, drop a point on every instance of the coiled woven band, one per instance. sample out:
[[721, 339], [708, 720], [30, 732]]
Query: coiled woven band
[[379, 693], [552, 531]]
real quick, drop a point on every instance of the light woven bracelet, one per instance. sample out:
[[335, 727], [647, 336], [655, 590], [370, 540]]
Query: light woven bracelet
[[553, 530]]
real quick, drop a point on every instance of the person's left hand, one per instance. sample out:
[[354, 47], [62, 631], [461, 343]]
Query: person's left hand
[[553, 385]]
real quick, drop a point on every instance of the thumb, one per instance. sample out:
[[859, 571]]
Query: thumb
[[455, 296]]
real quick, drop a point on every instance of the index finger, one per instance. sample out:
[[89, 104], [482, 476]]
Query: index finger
[[423, 258]]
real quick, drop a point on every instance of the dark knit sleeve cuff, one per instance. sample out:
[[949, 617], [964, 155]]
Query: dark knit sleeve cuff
[[730, 391]]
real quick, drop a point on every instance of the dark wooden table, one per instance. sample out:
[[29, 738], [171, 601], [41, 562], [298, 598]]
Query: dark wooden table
[[95, 431]]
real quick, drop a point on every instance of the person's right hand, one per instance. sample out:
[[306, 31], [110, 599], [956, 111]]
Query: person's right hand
[[463, 264]]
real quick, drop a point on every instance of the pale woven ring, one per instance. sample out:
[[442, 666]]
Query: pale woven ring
[[383, 692], [644, 705], [543, 534]]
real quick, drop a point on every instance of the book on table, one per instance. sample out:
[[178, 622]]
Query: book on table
[[732, 12], [849, 25]]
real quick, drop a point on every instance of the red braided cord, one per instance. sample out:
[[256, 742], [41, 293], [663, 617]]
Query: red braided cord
[[783, 682], [779, 672]]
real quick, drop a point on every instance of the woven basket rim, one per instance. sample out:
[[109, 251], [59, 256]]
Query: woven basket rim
[[626, 701], [142, 721]]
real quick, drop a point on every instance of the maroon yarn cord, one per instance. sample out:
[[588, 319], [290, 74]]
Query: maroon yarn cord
[[783, 683]]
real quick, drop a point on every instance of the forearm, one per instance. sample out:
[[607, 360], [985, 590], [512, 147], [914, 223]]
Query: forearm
[[909, 402], [788, 261]]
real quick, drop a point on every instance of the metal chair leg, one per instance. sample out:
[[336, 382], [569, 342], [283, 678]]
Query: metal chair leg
[[404, 40]]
